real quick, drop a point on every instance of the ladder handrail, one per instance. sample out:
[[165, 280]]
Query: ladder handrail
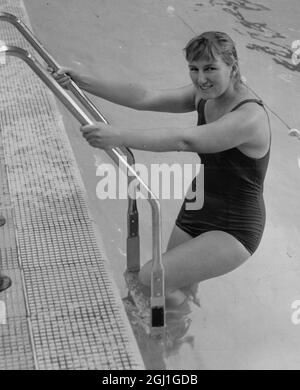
[[133, 240], [51, 62], [157, 275], [73, 87]]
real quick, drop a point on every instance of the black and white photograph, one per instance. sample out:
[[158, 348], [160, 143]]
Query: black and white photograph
[[149, 188]]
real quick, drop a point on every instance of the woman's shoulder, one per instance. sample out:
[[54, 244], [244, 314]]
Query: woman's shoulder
[[252, 111], [257, 119]]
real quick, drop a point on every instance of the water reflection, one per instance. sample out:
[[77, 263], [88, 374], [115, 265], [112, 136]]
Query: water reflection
[[243, 4], [178, 321], [281, 53]]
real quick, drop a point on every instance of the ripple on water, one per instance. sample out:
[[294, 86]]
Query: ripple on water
[[178, 322], [264, 39]]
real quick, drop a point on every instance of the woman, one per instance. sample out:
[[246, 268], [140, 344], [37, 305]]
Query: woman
[[232, 138]]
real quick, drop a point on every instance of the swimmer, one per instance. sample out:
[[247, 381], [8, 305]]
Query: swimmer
[[232, 138]]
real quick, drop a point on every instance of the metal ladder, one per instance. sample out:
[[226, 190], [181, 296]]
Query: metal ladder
[[122, 156]]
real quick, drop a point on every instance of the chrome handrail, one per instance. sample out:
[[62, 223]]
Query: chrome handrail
[[157, 274], [133, 240]]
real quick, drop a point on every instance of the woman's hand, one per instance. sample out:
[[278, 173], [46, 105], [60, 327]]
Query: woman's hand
[[101, 135], [64, 76]]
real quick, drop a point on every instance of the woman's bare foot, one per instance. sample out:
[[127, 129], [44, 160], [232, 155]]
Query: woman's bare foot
[[191, 292], [175, 298]]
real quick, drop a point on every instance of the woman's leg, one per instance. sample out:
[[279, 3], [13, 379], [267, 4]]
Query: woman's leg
[[204, 257], [178, 237]]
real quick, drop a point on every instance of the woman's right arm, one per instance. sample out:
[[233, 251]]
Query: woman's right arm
[[133, 95]]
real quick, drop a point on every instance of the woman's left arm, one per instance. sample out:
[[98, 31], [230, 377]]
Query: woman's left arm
[[233, 129], [105, 136], [240, 127]]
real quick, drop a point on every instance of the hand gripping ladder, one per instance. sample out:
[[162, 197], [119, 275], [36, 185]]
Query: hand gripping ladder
[[121, 156]]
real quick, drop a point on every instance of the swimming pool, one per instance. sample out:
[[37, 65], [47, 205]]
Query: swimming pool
[[246, 316]]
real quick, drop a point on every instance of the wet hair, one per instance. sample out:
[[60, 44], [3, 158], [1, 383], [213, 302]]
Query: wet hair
[[210, 44]]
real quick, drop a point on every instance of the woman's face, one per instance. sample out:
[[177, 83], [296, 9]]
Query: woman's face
[[212, 78]]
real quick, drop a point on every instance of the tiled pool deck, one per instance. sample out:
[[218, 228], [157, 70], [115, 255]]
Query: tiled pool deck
[[63, 310]]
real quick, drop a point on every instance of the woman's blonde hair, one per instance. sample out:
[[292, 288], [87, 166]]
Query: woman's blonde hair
[[212, 43]]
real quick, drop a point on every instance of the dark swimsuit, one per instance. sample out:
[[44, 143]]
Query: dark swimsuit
[[233, 194]]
